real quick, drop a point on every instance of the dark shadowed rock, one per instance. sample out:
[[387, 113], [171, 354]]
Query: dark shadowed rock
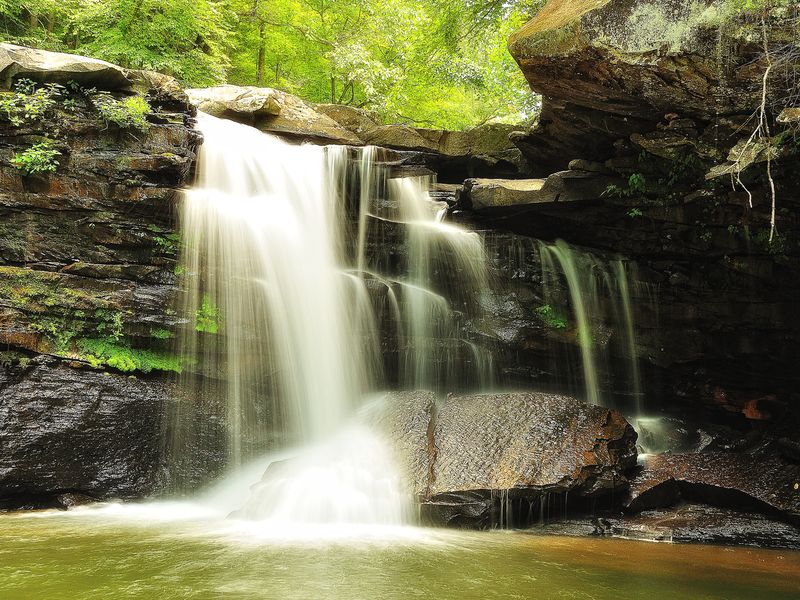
[[79, 431], [758, 482], [18, 62], [70, 434]]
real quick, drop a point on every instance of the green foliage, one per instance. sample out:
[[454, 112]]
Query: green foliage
[[120, 356], [637, 184], [39, 158], [683, 167], [58, 330], [776, 245], [168, 243], [425, 62], [208, 317], [130, 113], [110, 324], [26, 103], [162, 334], [634, 212], [550, 318], [9, 358]]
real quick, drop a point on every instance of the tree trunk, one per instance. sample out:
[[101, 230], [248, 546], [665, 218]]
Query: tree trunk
[[262, 50]]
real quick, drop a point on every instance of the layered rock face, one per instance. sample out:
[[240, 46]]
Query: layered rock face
[[87, 273], [650, 108], [610, 68]]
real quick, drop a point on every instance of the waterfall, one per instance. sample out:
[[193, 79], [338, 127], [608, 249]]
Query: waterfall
[[432, 286], [600, 309], [290, 292]]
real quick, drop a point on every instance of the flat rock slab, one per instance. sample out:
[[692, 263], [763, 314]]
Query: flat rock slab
[[684, 524], [17, 62], [564, 186], [746, 481]]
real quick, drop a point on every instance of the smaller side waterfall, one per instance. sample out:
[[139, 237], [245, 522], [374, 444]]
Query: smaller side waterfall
[[595, 293]]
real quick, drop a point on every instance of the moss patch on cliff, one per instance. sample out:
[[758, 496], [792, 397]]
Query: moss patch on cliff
[[122, 357], [88, 323]]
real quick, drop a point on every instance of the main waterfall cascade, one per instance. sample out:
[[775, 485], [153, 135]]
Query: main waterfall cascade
[[314, 280], [289, 309]]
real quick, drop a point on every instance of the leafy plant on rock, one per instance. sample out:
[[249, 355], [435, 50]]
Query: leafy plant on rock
[[550, 317], [130, 113], [27, 103], [39, 158]]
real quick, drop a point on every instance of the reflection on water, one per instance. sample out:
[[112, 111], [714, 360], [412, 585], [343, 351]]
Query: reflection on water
[[188, 551]]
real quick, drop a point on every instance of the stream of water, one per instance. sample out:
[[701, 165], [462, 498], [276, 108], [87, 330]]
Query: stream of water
[[180, 551]]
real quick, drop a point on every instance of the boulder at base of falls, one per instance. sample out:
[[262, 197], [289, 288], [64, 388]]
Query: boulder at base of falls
[[272, 111], [463, 455], [758, 482]]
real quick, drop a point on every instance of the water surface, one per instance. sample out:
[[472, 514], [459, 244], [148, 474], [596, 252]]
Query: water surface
[[180, 551]]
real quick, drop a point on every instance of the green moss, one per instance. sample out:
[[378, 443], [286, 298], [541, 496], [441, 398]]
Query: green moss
[[121, 356], [162, 334]]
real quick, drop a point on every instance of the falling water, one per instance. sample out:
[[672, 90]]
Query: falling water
[[285, 295], [596, 290], [431, 287]]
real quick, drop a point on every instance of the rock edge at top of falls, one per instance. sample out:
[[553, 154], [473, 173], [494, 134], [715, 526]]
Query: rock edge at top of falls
[[485, 147], [607, 69]]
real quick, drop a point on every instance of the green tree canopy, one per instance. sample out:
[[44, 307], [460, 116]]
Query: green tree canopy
[[428, 62]]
